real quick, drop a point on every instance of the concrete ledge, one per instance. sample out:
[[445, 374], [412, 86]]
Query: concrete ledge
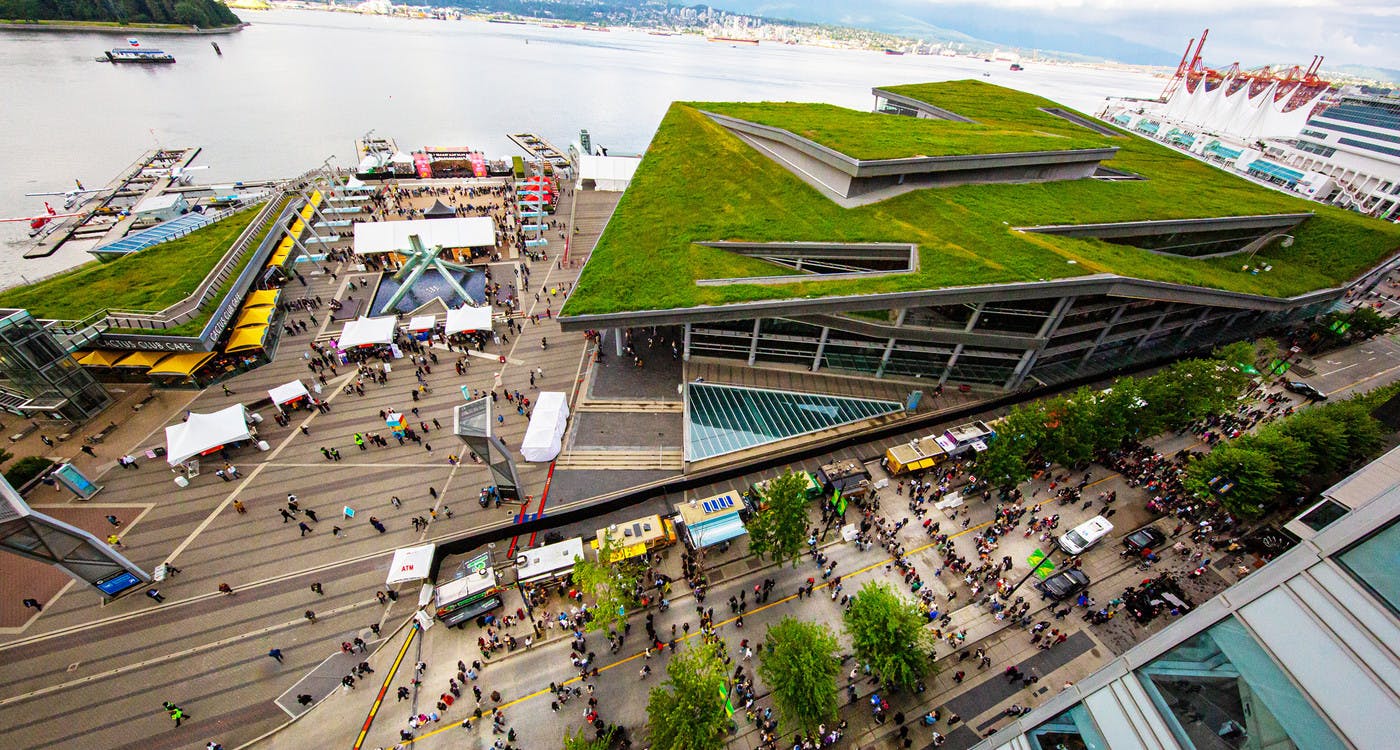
[[907, 255]]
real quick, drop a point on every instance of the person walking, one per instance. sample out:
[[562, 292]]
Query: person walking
[[155, 594], [88, 450], [304, 528], [276, 653], [226, 589], [312, 515], [33, 604], [309, 615], [238, 506], [316, 588]]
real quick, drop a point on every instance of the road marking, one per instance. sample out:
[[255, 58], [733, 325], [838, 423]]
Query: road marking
[[171, 656], [384, 688], [717, 626], [210, 518], [1339, 369], [1386, 371]]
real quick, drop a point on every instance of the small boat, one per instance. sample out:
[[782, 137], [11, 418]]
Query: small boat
[[217, 51], [139, 56], [731, 40], [1016, 66], [893, 51]]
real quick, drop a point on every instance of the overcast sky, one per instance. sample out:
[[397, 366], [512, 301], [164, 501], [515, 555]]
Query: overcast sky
[[1254, 32]]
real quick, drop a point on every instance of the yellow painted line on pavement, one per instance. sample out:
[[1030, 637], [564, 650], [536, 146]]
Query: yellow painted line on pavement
[[384, 688], [722, 623], [1386, 371]]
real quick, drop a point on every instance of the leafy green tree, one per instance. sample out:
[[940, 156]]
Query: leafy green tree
[[613, 586], [1006, 462], [887, 633], [1073, 429], [586, 739], [800, 664], [1237, 354], [687, 711], [1366, 322], [1324, 437], [26, 469], [1244, 480], [778, 530]]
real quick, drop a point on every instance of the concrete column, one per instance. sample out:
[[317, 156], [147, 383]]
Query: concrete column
[[1156, 326], [1018, 375], [977, 313], [899, 319], [753, 345], [685, 354], [1205, 313], [884, 360], [953, 360], [1112, 321], [617, 342], [821, 349], [1058, 314]]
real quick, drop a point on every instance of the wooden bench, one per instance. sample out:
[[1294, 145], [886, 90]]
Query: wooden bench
[[18, 436], [99, 437]]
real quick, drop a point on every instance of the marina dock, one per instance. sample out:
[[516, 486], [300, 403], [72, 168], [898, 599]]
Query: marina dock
[[539, 148], [127, 189]]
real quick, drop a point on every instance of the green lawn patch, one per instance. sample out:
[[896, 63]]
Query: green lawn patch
[[698, 182], [147, 281]]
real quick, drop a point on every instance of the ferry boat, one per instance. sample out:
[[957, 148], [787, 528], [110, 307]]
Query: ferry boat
[[136, 55], [1016, 66], [731, 40], [889, 51]]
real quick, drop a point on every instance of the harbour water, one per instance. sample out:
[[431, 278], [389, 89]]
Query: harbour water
[[298, 87]]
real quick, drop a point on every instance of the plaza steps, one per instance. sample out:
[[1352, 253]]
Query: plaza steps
[[640, 405], [629, 459]]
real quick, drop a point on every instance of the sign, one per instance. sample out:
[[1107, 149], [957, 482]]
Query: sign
[[118, 583], [912, 403], [840, 503], [479, 563], [349, 512], [70, 477]]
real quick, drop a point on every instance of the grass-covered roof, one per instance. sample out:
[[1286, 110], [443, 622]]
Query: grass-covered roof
[[698, 182]]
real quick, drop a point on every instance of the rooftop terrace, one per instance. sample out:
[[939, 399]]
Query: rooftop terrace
[[701, 183]]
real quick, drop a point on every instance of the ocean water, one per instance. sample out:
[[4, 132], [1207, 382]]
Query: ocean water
[[298, 87]]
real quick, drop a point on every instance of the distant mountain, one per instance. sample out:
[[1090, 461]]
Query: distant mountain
[[205, 14], [1388, 76]]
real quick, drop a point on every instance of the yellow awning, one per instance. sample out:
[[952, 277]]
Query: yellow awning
[[316, 197], [100, 358], [278, 258], [142, 359], [181, 364], [262, 298], [245, 339], [256, 316]]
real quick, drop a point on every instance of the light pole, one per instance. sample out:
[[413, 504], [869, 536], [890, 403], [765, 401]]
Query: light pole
[[1287, 242]]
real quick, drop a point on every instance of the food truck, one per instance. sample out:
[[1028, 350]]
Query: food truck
[[547, 565], [812, 488], [636, 538], [462, 600]]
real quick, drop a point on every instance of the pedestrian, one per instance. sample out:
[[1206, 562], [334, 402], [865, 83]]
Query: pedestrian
[[227, 392], [316, 588], [306, 529], [226, 589], [238, 506], [312, 515], [88, 450], [335, 531], [33, 604], [285, 515], [276, 653], [155, 594], [309, 615], [114, 521], [304, 699], [178, 714]]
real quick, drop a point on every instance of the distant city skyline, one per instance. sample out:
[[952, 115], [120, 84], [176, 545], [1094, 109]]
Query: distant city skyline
[[1254, 32]]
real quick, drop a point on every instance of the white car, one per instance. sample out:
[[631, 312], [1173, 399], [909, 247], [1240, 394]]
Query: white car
[[1085, 535]]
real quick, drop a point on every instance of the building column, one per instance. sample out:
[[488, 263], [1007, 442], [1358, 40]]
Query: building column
[[884, 360], [948, 368], [1058, 314], [685, 355], [753, 345], [1018, 375], [1112, 321], [821, 349], [899, 319], [617, 342], [1205, 313], [976, 313], [1156, 326]]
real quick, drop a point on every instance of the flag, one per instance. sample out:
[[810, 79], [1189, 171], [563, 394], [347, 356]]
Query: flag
[[840, 503]]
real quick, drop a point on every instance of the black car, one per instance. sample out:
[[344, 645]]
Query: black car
[[1063, 585], [1305, 390], [1147, 537]]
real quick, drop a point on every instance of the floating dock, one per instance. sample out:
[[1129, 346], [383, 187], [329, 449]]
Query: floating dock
[[129, 187], [539, 148]]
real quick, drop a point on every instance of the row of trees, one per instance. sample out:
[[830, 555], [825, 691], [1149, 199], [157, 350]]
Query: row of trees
[[206, 14], [1256, 473], [800, 661], [1072, 429]]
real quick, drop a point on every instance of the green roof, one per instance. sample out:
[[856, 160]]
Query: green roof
[[698, 182]]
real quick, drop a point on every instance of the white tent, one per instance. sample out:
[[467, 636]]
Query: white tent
[[610, 173], [400, 157], [366, 332], [287, 392], [422, 323], [392, 236], [468, 318], [202, 432], [411, 564], [545, 435]]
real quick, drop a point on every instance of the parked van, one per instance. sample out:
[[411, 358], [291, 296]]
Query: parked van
[[1085, 535]]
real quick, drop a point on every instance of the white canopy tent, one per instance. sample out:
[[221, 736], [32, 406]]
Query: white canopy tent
[[468, 318], [411, 564], [422, 323], [400, 158], [392, 236], [545, 436], [203, 432], [288, 392], [367, 332], [609, 173]]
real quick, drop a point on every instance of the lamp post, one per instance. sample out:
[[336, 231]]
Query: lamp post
[[1287, 242]]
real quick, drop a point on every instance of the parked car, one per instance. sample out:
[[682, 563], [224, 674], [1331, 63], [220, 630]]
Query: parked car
[[1147, 537], [1085, 535], [1063, 585], [1304, 390]]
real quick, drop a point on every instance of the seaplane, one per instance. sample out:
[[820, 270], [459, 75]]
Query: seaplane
[[71, 198], [38, 223], [177, 175]]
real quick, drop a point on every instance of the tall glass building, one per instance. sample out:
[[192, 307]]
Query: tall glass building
[[38, 374], [1301, 654]]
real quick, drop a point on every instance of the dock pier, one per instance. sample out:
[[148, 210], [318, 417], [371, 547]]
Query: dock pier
[[539, 148]]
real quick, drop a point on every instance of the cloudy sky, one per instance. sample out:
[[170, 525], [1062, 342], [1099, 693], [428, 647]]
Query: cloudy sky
[[1255, 32]]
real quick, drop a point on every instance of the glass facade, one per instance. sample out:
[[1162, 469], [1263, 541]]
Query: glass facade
[[33, 363], [1375, 562], [1219, 690], [1071, 729], [722, 419]]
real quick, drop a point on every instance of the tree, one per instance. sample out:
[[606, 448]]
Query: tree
[[587, 739], [1244, 480], [612, 585], [887, 633], [800, 665], [687, 712], [26, 469], [778, 531]]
